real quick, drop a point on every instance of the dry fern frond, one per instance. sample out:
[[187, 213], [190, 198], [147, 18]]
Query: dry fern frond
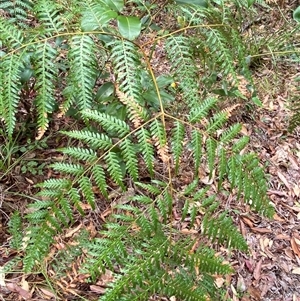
[[135, 110]]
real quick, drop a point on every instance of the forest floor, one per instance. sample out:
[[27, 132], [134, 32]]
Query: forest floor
[[270, 271]]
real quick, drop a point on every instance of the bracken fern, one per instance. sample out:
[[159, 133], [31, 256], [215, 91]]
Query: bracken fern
[[139, 242]]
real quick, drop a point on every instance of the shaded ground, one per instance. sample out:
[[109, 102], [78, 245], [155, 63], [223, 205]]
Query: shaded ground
[[271, 270]]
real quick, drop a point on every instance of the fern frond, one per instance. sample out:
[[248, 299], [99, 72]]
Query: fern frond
[[83, 72], [114, 168], [215, 123], [96, 15], [74, 196], [46, 74], [79, 153], [68, 168], [55, 184], [126, 61], [229, 134], [177, 143], [222, 229], [100, 179], [49, 16], [146, 148], [92, 139], [9, 91], [196, 144], [130, 158], [110, 123], [87, 190], [183, 65], [18, 10], [200, 111], [15, 229], [211, 147]]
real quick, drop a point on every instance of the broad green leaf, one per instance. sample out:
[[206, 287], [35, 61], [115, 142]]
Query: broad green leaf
[[116, 5], [296, 14], [105, 92], [250, 2], [202, 3], [129, 27], [257, 101]]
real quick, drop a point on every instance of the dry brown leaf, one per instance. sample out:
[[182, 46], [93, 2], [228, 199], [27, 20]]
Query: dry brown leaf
[[296, 190], [247, 221], [17, 289], [283, 179], [254, 293], [295, 243], [97, 289], [219, 281], [71, 232], [256, 272], [282, 236], [261, 230], [47, 292]]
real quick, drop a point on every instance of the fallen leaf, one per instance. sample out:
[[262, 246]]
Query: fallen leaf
[[296, 271], [296, 190], [71, 232], [219, 281], [283, 179], [256, 272], [13, 287], [47, 292], [295, 243], [98, 289], [261, 230], [254, 293]]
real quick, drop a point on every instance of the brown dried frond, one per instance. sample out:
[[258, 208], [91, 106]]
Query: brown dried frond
[[230, 109], [135, 110], [162, 150], [42, 130]]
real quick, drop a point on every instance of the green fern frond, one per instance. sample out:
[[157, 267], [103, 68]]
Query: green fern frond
[[68, 168], [215, 123], [223, 230], [9, 92], [49, 16], [222, 169], [74, 197], [130, 158], [196, 144], [94, 140], [84, 154], [83, 72], [229, 134], [15, 229], [114, 168], [100, 179], [211, 147], [177, 142], [18, 10], [96, 15], [110, 123], [87, 190], [46, 74], [200, 111], [55, 184], [146, 148], [126, 61]]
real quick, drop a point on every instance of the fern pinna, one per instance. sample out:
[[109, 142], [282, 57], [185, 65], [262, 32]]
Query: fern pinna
[[126, 137]]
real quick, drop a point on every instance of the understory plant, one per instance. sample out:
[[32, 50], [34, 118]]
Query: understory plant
[[158, 147]]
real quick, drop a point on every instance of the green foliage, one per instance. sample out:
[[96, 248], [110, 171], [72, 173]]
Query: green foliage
[[120, 150]]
